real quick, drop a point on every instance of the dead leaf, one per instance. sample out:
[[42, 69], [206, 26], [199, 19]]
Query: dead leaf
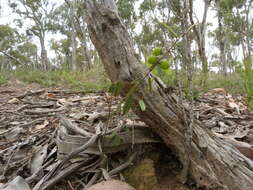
[[13, 101], [38, 158], [18, 183], [38, 127]]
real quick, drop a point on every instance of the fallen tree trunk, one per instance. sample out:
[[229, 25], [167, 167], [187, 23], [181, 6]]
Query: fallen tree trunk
[[213, 164]]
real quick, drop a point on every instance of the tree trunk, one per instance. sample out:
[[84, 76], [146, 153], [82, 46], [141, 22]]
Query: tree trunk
[[187, 58], [86, 53], [214, 164], [44, 61], [221, 41], [73, 37], [200, 35]]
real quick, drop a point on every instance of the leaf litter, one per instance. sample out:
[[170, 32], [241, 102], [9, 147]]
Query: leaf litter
[[49, 134]]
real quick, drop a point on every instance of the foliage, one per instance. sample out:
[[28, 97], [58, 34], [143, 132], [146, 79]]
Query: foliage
[[142, 105], [247, 79], [95, 79], [3, 79], [116, 140], [151, 24], [6, 35], [126, 8]]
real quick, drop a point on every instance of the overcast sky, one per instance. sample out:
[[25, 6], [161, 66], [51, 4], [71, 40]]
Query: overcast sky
[[6, 17]]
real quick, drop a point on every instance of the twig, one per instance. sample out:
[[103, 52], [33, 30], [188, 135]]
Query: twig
[[70, 185], [68, 124], [49, 183], [93, 179], [34, 122], [36, 174], [123, 166], [8, 162]]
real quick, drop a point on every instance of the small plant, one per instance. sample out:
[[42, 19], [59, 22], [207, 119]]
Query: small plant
[[95, 79], [157, 51], [3, 79], [247, 77], [152, 59], [157, 60], [116, 140], [165, 64]]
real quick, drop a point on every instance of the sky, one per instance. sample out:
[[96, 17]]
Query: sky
[[6, 17]]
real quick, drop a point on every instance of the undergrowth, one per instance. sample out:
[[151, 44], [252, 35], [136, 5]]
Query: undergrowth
[[3, 79], [232, 83], [94, 79]]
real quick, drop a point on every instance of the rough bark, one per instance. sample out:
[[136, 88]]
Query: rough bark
[[213, 164]]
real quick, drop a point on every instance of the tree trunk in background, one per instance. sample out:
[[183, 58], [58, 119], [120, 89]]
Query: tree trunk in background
[[249, 32], [200, 36], [182, 14], [73, 37], [44, 61], [85, 48], [187, 58], [214, 164], [221, 42]]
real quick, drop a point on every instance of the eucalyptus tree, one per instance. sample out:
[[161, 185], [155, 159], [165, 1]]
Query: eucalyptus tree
[[127, 11], [62, 51], [221, 38], [235, 34], [69, 22], [36, 13], [16, 49], [233, 29], [72, 8], [211, 163], [200, 34], [7, 36]]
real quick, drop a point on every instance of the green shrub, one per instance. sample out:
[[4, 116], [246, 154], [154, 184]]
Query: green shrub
[[3, 78], [231, 82], [94, 79], [247, 79]]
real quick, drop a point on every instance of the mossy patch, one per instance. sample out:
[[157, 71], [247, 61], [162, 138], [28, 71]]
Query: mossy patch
[[142, 175]]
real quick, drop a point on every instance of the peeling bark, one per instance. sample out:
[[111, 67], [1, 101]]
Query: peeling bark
[[214, 164]]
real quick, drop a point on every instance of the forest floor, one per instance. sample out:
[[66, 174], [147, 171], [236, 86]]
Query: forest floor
[[41, 127]]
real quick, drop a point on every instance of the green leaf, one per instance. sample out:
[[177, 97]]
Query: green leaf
[[127, 104], [129, 97], [150, 84], [126, 129], [142, 105], [111, 88], [170, 29], [115, 88], [115, 139]]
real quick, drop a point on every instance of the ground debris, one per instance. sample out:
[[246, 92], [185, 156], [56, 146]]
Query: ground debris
[[49, 136], [228, 117]]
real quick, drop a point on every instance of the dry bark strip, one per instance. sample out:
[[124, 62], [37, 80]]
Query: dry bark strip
[[213, 163]]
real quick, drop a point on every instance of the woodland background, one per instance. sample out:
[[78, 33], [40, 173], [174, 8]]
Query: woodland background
[[48, 43], [207, 131]]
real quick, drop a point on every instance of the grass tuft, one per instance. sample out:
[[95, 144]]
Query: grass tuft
[[94, 79]]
